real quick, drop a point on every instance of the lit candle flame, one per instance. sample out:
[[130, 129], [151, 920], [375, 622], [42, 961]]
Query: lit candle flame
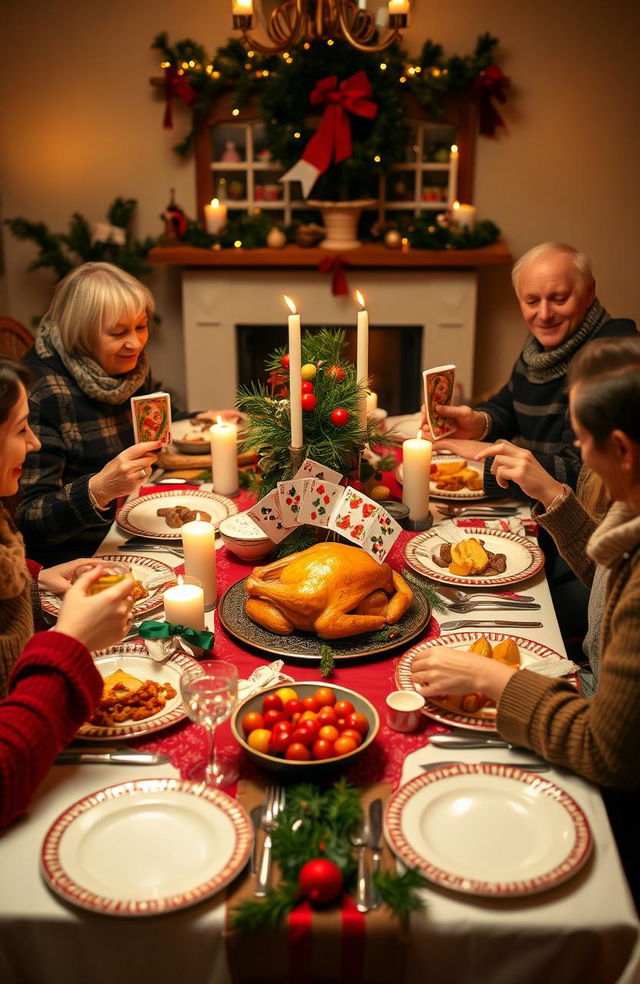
[[291, 304], [180, 579], [219, 421], [454, 148], [360, 299], [197, 517], [215, 203], [456, 205]]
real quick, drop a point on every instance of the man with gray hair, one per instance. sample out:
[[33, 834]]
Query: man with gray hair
[[556, 293]]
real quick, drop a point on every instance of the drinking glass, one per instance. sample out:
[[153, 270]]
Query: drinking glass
[[209, 690]]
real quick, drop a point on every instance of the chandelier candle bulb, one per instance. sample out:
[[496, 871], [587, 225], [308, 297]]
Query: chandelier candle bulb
[[199, 544], [398, 6], [241, 7], [452, 192], [416, 468], [224, 457], [295, 374], [215, 217], [362, 357], [184, 605], [464, 216]]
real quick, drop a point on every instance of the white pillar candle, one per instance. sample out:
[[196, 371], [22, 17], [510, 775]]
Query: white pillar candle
[[295, 374], [464, 215], [452, 192], [215, 217], [184, 605], [199, 544], [224, 457], [416, 468], [362, 358], [372, 402]]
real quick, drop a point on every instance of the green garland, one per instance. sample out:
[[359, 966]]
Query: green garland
[[318, 823]]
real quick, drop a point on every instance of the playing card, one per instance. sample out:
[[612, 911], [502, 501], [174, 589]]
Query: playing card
[[352, 514], [151, 416], [438, 390], [266, 513], [290, 496], [381, 533], [313, 469], [318, 502]]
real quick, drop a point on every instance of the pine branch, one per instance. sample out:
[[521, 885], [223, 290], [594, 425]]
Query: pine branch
[[327, 661], [429, 591], [401, 892]]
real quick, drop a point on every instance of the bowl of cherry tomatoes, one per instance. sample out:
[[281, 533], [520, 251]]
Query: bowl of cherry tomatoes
[[304, 728]]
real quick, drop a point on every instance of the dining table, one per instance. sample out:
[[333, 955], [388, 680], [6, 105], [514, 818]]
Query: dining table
[[581, 928]]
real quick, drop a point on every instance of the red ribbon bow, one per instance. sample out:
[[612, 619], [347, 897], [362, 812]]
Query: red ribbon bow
[[332, 139], [176, 85], [335, 264], [487, 85]]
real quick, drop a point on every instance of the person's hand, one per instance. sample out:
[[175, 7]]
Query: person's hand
[[513, 464], [97, 620], [463, 449], [228, 416], [469, 424], [125, 473], [443, 670], [58, 579]]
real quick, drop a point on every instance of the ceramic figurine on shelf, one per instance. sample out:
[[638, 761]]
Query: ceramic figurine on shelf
[[230, 153], [175, 221]]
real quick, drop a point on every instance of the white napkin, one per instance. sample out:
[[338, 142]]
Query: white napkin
[[553, 667], [263, 677], [512, 524]]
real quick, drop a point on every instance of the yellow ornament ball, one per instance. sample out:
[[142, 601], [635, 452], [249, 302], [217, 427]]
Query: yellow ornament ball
[[380, 492], [308, 371]]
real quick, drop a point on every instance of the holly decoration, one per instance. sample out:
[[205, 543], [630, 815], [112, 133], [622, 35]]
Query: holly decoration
[[336, 372], [284, 361], [309, 401], [320, 881], [340, 417]]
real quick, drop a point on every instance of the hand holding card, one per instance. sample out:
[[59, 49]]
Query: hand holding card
[[438, 391], [151, 416]]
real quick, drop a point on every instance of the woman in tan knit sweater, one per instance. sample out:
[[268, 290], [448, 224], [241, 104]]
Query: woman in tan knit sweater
[[597, 738]]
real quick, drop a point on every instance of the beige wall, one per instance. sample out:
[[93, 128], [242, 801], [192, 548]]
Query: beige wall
[[80, 125]]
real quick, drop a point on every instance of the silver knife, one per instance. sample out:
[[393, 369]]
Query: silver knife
[[526, 766], [468, 741], [375, 843], [256, 817], [463, 623], [72, 757]]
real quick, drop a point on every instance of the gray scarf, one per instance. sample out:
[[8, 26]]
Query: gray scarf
[[90, 377], [541, 366]]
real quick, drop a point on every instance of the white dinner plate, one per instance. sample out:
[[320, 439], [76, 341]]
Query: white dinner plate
[[532, 654], [489, 830], [140, 516], [132, 657], [147, 570], [405, 426], [146, 847], [436, 493], [524, 558]]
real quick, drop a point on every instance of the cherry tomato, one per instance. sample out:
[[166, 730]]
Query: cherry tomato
[[306, 736], [307, 386], [342, 745], [343, 707], [285, 694], [293, 707], [309, 401], [311, 704], [259, 739], [297, 752], [352, 733], [327, 715], [308, 721], [308, 716], [272, 717], [272, 702], [325, 696], [280, 740], [251, 721], [283, 725], [295, 717], [322, 749], [328, 733], [358, 722]]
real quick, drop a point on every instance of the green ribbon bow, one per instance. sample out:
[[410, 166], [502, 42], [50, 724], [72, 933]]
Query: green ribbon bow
[[164, 630]]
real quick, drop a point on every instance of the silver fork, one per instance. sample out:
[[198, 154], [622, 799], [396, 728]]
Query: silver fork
[[470, 606], [460, 597], [360, 840], [274, 803]]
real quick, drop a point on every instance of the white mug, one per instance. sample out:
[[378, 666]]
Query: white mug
[[404, 710]]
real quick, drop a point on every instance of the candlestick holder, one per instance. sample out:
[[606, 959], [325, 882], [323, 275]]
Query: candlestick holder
[[418, 525], [296, 457]]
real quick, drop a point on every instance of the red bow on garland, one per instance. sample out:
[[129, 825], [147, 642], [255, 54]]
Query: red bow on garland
[[176, 85], [336, 264], [332, 139], [487, 85]]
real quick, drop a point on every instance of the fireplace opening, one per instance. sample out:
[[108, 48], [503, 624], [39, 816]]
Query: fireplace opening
[[394, 359]]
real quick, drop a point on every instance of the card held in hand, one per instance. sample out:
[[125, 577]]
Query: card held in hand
[[151, 416], [438, 391]]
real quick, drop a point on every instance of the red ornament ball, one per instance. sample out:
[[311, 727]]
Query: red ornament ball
[[336, 372], [340, 417], [320, 881], [307, 386], [309, 401], [284, 361]]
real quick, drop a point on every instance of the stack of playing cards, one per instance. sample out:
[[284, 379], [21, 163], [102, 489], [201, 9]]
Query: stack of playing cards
[[151, 417], [314, 497], [438, 391]]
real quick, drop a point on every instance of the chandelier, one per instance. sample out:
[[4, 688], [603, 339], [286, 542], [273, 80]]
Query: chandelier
[[292, 21]]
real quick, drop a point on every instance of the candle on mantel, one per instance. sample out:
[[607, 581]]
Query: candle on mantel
[[452, 192], [184, 604], [372, 402], [464, 215], [362, 358], [215, 217], [224, 456], [242, 7], [199, 545], [416, 470], [295, 374]]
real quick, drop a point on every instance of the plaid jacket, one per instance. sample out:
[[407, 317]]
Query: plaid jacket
[[79, 436]]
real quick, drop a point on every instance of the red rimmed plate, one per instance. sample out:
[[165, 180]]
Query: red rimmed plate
[[524, 558], [133, 658], [531, 653], [147, 847], [464, 494], [140, 516], [490, 830]]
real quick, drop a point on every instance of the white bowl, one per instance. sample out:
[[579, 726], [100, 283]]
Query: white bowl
[[245, 538]]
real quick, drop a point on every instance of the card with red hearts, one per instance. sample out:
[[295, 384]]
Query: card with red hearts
[[290, 497], [318, 502], [352, 515], [380, 535]]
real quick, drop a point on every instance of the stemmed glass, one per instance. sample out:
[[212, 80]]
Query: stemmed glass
[[209, 690]]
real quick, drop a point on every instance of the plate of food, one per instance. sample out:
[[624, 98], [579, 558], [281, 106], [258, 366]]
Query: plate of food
[[479, 558], [452, 478], [191, 436], [161, 515], [140, 695], [151, 577], [476, 712], [146, 847], [488, 830]]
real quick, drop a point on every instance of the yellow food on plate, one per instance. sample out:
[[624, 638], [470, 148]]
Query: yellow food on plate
[[450, 467], [126, 698], [120, 684], [468, 557], [507, 652], [475, 703], [452, 476], [482, 647]]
